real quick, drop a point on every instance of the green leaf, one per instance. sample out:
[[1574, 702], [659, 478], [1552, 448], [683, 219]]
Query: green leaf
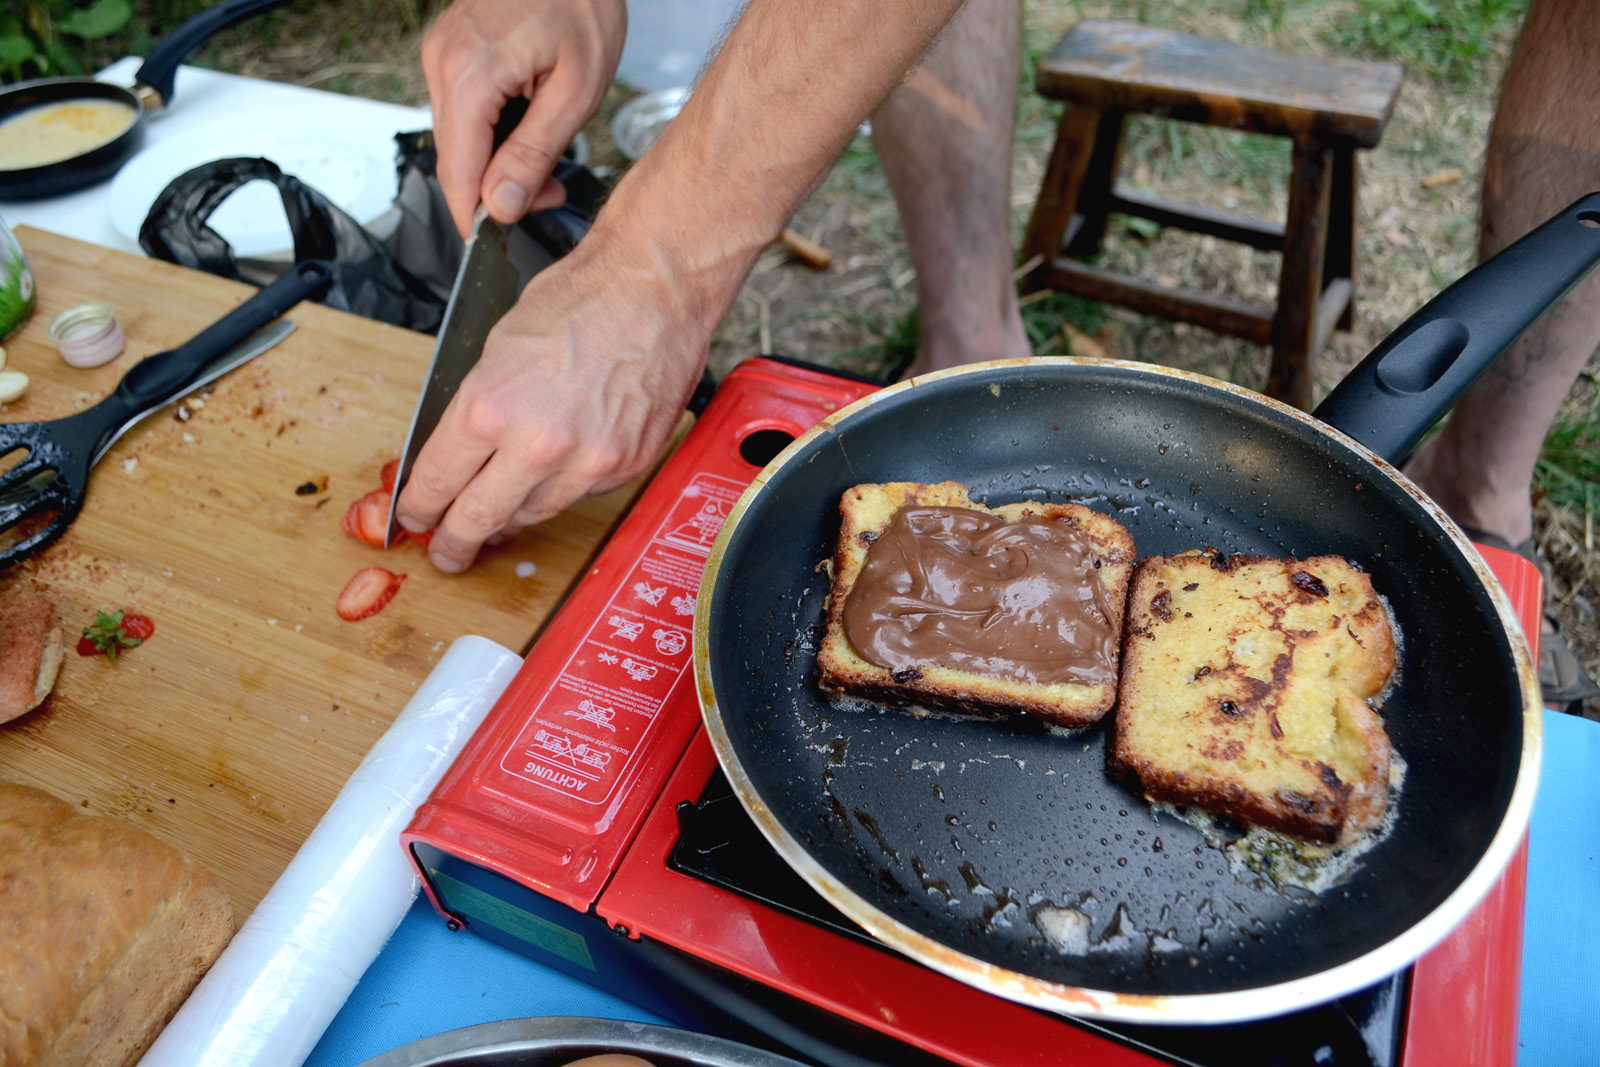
[[101, 19], [16, 50], [1146, 228], [63, 60]]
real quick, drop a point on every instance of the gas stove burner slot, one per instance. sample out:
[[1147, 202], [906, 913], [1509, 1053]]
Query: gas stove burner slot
[[761, 447]]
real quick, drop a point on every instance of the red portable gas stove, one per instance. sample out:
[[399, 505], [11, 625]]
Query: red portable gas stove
[[588, 826]]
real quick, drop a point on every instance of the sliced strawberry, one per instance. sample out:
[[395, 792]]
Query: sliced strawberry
[[138, 626], [350, 523], [391, 474], [368, 518], [420, 538], [87, 646], [367, 592], [375, 516]]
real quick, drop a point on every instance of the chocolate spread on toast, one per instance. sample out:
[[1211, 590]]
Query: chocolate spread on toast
[[953, 587]]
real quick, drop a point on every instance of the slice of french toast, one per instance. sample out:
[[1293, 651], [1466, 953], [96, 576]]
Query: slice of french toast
[[975, 679], [1245, 688]]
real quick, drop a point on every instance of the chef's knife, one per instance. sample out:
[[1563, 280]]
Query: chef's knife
[[485, 289]]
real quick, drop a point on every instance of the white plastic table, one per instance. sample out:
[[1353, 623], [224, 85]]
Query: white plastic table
[[205, 99]]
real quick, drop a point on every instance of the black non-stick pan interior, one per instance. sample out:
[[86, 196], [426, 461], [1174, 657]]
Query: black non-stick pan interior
[[974, 833]]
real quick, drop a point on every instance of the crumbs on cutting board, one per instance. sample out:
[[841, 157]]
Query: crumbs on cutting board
[[526, 569]]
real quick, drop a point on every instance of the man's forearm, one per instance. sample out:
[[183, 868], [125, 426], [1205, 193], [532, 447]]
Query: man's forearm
[[787, 91]]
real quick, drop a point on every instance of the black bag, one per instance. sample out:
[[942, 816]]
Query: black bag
[[405, 277]]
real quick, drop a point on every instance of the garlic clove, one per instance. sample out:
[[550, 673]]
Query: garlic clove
[[13, 383]]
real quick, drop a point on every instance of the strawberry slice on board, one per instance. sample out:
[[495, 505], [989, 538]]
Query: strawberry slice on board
[[366, 593], [368, 518], [390, 474]]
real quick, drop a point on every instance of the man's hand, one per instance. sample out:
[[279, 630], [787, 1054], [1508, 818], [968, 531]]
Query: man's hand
[[580, 385], [560, 54], [578, 388]]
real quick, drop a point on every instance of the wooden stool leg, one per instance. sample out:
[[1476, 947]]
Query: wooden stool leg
[[1063, 181], [1341, 261], [1094, 199], [1305, 242]]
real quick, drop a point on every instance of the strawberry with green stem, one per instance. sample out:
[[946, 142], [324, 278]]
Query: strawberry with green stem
[[113, 631]]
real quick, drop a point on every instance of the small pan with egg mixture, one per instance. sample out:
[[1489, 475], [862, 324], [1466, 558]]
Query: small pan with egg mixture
[[58, 135]]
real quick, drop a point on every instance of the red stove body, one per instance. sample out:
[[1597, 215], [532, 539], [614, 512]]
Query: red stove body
[[555, 831]]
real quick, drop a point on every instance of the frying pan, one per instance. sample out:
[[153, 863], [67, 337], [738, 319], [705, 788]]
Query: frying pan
[[957, 842], [152, 90]]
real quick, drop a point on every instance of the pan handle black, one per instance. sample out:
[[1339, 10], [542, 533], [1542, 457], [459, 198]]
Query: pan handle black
[[157, 379], [161, 68], [1411, 380]]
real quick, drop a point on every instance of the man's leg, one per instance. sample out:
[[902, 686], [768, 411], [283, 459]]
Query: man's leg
[[1544, 152], [944, 136]]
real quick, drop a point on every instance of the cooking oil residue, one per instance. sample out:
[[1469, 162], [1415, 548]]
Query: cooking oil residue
[[935, 886], [1288, 862], [871, 826], [835, 749], [974, 880], [1065, 928], [1070, 929], [1000, 910]]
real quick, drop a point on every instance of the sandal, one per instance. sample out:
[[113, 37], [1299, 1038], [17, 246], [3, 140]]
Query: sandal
[[1563, 681]]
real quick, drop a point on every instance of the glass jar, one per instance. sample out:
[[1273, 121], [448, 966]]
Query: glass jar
[[18, 293]]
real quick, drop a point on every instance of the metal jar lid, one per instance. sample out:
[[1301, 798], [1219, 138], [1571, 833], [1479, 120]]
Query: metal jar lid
[[87, 335]]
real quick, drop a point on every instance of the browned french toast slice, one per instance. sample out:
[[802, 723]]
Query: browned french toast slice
[[1245, 688], [866, 511]]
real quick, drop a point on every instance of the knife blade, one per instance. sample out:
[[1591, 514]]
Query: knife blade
[[243, 352], [487, 283], [486, 286]]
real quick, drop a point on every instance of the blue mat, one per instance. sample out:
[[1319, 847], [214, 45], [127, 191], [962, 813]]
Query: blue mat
[[1560, 1024]]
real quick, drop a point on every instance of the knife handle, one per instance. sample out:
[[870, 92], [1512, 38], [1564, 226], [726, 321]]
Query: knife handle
[[510, 115]]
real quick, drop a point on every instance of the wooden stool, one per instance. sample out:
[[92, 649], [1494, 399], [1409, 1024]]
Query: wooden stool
[[1106, 70]]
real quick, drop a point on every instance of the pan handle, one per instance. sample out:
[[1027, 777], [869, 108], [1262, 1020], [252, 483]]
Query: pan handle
[[1410, 381], [160, 70]]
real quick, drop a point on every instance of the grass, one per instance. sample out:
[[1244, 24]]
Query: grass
[[1045, 314], [1451, 40], [1568, 473]]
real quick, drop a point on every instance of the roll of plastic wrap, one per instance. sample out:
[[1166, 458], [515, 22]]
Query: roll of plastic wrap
[[286, 974]]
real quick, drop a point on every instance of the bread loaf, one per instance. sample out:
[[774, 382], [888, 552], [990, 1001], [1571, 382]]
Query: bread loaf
[[965, 683], [30, 650], [1245, 689], [103, 932]]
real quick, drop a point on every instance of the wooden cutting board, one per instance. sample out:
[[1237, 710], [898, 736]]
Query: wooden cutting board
[[230, 731]]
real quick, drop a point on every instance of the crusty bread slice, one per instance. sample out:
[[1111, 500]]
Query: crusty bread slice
[[865, 512], [104, 933], [1244, 690], [31, 649]]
